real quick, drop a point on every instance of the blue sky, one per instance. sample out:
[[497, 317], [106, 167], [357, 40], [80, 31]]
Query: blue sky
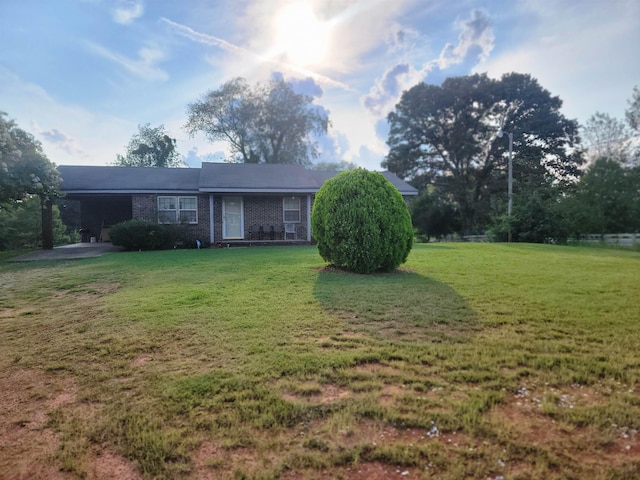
[[80, 75]]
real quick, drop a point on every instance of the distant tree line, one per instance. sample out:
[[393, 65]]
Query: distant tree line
[[443, 140]]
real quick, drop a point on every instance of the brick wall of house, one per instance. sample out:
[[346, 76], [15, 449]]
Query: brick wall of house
[[265, 211], [261, 210], [145, 207], [201, 231]]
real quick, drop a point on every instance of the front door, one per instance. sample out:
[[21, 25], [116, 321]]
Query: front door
[[232, 218]]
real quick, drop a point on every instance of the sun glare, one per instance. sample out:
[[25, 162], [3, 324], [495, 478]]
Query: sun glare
[[301, 36]]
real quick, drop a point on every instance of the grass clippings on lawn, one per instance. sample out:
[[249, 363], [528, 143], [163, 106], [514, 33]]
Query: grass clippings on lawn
[[472, 361]]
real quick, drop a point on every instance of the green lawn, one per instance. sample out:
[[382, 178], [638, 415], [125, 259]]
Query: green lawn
[[471, 361]]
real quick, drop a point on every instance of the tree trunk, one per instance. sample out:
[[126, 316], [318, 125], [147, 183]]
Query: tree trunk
[[47, 223]]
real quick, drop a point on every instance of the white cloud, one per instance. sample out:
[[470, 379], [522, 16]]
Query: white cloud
[[358, 28], [368, 158], [60, 140], [401, 39], [126, 11], [333, 146], [351, 129], [476, 38], [475, 42], [387, 90], [206, 39], [194, 159], [144, 66]]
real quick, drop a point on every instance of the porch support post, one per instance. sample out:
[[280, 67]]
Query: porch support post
[[211, 218], [308, 217]]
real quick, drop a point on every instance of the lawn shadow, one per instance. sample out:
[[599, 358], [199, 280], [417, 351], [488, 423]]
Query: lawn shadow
[[401, 305]]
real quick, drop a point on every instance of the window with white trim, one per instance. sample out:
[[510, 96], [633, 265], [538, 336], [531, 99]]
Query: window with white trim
[[177, 210], [291, 209]]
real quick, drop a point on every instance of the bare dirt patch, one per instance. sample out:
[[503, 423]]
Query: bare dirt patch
[[523, 420], [333, 393], [328, 394], [362, 471], [104, 465], [390, 393], [141, 360], [213, 462], [27, 446], [382, 434], [10, 313], [87, 294]]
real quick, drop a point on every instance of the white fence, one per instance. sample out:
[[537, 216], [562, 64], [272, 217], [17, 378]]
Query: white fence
[[625, 239], [476, 238], [622, 239]]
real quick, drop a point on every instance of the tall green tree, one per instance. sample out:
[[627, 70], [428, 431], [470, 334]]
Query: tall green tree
[[606, 200], [21, 225], [25, 170], [538, 217], [228, 115], [632, 115], [433, 214], [446, 136], [261, 124], [607, 137], [150, 147], [633, 111]]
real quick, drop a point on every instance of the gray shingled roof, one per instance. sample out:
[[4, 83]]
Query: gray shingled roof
[[403, 187], [255, 177], [81, 179], [212, 177]]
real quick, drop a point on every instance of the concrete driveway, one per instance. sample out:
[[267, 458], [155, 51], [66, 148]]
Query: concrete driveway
[[69, 252]]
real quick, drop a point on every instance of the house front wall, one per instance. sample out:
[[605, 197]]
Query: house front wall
[[145, 207], [261, 210]]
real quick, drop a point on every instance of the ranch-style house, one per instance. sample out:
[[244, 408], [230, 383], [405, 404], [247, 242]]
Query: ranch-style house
[[219, 203]]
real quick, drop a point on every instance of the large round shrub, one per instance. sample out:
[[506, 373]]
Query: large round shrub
[[361, 222]]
